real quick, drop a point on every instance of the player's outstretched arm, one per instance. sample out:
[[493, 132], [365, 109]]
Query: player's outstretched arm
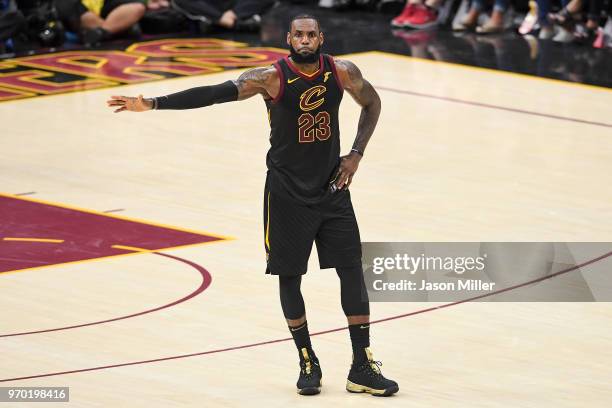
[[366, 96], [252, 82]]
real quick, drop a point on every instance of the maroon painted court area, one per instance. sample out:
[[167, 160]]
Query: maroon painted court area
[[85, 235]]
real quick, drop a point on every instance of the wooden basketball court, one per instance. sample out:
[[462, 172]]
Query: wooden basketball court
[[460, 154]]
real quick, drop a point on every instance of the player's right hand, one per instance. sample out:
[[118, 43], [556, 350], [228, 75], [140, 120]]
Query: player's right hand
[[124, 103]]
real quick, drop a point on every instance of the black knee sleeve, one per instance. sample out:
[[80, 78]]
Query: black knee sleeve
[[353, 292], [291, 298]]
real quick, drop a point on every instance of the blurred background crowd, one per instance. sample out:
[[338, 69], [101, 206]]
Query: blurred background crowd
[[52, 23]]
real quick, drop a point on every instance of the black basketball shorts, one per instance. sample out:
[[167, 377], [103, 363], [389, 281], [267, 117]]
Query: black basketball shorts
[[290, 228]]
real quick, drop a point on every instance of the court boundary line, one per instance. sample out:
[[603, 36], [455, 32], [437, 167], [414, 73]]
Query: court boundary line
[[491, 106]]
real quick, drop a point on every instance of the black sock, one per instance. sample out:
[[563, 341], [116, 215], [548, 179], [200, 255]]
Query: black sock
[[301, 337], [360, 339]]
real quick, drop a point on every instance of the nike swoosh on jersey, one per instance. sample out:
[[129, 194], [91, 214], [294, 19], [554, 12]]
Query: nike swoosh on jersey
[[292, 80]]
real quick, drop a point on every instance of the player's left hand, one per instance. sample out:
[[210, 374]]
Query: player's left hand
[[348, 168]]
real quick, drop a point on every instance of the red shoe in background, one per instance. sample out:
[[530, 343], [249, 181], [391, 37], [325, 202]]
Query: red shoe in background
[[421, 17], [401, 20]]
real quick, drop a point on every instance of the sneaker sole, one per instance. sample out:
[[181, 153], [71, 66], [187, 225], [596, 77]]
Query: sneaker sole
[[356, 388], [310, 390]]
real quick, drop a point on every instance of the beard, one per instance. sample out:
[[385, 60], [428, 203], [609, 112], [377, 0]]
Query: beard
[[309, 58]]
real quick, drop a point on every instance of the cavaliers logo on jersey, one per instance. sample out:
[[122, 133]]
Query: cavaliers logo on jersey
[[308, 99]]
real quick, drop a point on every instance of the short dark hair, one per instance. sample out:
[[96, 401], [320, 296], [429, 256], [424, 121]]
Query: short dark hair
[[305, 17]]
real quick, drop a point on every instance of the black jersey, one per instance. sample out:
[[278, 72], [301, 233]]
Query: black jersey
[[305, 134]]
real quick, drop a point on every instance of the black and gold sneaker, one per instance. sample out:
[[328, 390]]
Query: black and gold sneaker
[[309, 382], [366, 376]]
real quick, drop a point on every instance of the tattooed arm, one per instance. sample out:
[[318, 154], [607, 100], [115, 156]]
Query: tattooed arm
[[263, 81], [366, 96]]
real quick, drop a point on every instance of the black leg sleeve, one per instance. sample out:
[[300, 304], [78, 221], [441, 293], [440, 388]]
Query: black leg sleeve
[[353, 293], [291, 298]]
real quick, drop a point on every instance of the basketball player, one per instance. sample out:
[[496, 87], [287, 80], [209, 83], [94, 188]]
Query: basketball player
[[306, 196]]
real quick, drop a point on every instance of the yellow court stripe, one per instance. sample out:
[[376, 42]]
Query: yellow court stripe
[[490, 70], [129, 248], [120, 217], [108, 257], [268, 224], [52, 241]]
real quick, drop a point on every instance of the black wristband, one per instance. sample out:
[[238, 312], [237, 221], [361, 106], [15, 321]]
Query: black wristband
[[199, 97]]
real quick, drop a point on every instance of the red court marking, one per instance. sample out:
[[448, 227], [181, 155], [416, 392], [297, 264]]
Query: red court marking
[[206, 281], [497, 107], [87, 235], [430, 309]]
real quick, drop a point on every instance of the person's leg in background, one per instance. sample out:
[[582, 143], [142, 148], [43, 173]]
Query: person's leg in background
[[594, 14], [495, 24], [292, 303], [70, 12], [403, 18], [471, 18], [114, 17], [120, 15], [546, 27], [565, 20], [418, 14], [529, 24]]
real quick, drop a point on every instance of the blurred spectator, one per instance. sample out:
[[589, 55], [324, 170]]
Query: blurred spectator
[[12, 22], [100, 20], [161, 18], [547, 29], [494, 24], [241, 15], [578, 20]]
